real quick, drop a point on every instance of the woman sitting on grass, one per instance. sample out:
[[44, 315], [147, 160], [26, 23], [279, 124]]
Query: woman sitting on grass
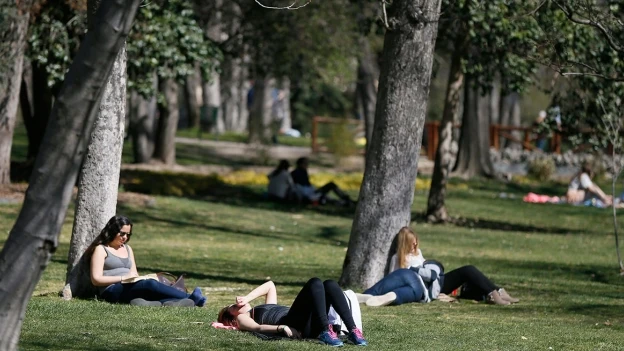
[[581, 189], [413, 279], [112, 262], [281, 186], [307, 317]]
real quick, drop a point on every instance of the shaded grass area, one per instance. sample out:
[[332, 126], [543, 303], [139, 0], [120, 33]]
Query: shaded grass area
[[559, 259]]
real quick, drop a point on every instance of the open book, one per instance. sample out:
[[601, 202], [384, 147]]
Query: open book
[[139, 278]]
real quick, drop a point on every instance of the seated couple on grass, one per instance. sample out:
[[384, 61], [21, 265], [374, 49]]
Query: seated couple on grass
[[414, 279], [296, 186], [114, 272], [307, 317]]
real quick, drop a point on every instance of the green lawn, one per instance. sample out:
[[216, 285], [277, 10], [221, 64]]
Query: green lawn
[[560, 260]]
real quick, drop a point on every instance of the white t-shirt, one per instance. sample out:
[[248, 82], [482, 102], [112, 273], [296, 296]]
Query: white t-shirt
[[279, 184], [412, 261], [582, 182]]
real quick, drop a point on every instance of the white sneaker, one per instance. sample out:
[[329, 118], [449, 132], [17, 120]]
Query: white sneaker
[[362, 298], [382, 300]]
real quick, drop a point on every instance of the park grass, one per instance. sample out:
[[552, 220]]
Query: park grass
[[560, 260]]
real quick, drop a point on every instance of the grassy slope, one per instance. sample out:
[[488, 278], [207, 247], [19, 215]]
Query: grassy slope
[[559, 260]]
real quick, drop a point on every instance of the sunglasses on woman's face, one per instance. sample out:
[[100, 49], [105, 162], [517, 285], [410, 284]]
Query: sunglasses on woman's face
[[128, 234]]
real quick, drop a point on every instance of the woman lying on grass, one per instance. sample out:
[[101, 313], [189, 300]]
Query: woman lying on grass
[[112, 262], [307, 317], [413, 279]]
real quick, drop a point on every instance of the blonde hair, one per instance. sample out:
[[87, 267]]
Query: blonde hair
[[404, 244]]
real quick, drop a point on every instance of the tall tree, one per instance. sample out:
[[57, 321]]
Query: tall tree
[[488, 43], [98, 184], [387, 190], [34, 237], [13, 27], [168, 122], [54, 37], [168, 42]]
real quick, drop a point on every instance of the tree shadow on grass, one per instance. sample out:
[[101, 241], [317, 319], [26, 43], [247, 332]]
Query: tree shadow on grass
[[60, 344], [480, 223], [137, 215]]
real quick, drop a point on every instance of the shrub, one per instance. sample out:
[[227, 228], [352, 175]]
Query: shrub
[[541, 168], [341, 142]]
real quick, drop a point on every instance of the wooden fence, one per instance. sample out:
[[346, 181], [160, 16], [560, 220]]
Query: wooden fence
[[525, 136]]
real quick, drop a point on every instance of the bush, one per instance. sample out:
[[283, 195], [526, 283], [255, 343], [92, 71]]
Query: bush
[[342, 141], [541, 168]]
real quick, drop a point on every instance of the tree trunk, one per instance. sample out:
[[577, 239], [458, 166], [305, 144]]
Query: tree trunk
[[212, 88], [510, 116], [387, 190], [98, 184], [284, 114], [230, 93], [36, 102], [34, 237], [212, 102], [366, 86], [474, 143], [143, 125], [243, 110], [167, 123], [194, 96], [260, 116], [13, 28], [436, 210]]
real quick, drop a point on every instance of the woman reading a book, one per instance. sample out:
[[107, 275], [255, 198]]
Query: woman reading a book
[[114, 272]]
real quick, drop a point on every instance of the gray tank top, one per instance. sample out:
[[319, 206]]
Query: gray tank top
[[115, 265]]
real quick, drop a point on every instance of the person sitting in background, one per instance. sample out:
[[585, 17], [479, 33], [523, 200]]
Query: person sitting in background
[[581, 188], [112, 263], [308, 192], [281, 186]]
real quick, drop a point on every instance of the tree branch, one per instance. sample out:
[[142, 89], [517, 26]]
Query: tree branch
[[589, 22], [289, 7]]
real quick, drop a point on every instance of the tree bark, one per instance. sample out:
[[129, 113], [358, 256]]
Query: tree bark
[[34, 237], [285, 117], [231, 93], [36, 102], [260, 116], [366, 86], [510, 116], [194, 96], [474, 143], [212, 102], [167, 123], [436, 209], [387, 190], [212, 88], [98, 184], [13, 28], [143, 125]]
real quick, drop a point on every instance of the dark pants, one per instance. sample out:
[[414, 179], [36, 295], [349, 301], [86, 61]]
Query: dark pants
[[148, 289], [476, 284], [331, 186], [308, 313], [403, 282]]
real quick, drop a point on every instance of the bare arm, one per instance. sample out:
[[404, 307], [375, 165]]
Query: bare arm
[[601, 194], [246, 323], [267, 290], [133, 269], [97, 269]]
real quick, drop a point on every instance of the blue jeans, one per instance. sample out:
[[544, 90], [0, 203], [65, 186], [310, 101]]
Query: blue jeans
[[403, 282], [148, 289]]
